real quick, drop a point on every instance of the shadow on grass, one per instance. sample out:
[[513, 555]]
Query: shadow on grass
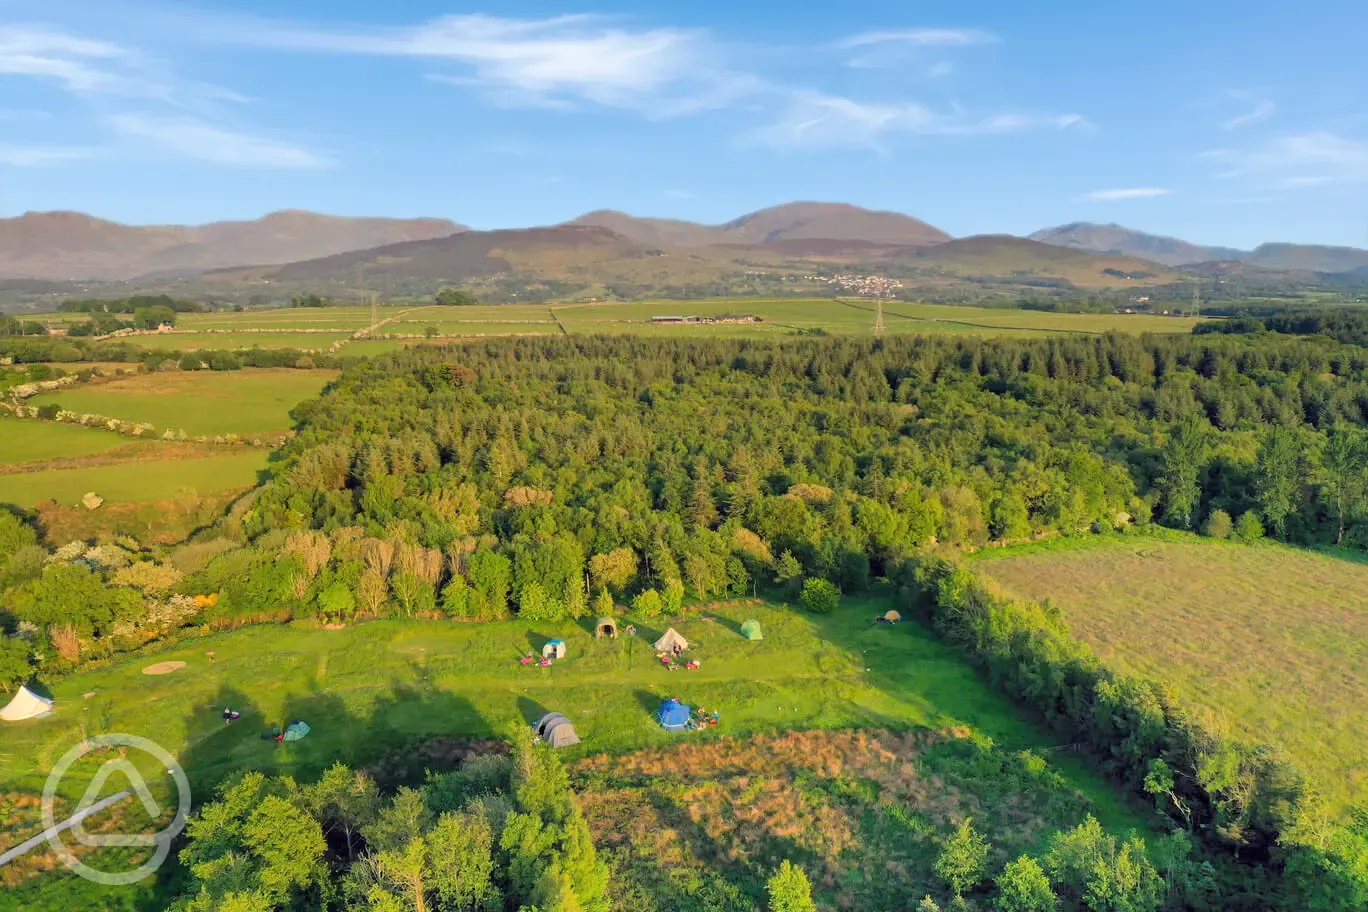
[[728, 623], [531, 710]]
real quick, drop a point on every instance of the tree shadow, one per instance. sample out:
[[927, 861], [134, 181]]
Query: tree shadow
[[537, 640], [728, 623], [649, 702], [531, 710]]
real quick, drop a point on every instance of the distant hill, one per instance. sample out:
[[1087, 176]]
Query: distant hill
[[1008, 256], [791, 221], [1116, 239], [1312, 257], [72, 245], [1175, 252]]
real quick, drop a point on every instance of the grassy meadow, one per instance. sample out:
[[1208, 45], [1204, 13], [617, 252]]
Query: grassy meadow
[[1278, 656], [229, 341], [140, 480], [30, 441], [252, 401]]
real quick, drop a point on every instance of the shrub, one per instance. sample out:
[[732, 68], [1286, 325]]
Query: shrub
[[1250, 527], [189, 362], [49, 412], [1218, 525], [789, 890], [647, 604], [150, 578], [963, 859], [820, 596], [1023, 887]]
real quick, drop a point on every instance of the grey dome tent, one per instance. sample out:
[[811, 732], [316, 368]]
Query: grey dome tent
[[751, 630], [556, 730], [25, 705], [554, 649], [605, 627], [670, 640]]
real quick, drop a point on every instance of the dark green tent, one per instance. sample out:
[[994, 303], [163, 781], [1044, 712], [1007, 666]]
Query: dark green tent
[[751, 630]]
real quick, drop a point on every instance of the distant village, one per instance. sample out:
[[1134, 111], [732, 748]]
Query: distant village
[[868, 286]]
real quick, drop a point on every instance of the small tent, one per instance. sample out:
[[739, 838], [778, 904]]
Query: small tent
[[556, 730], [670, 640], [605, 627], [554, 649], [751, 630], [673, 715], [892, 617], [296, 731], [25, 705]]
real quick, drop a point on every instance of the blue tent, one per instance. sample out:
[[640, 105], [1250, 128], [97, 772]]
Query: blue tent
[[673, 715]]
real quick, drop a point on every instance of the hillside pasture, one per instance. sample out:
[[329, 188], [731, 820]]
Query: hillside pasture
[[250, 401], [1269, 640]]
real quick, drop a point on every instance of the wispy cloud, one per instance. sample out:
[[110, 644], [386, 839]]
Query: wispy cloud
[[545, 62], [816, 120], [1129, 193], [940, 70], [74, 63], [39, 156], [921, 37], [208, 142], [1297, 161], [1262, 110]]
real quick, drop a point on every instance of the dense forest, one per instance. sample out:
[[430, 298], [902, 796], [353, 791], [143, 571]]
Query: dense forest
[[562, 476]]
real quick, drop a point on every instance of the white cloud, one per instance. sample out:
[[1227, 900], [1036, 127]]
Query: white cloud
[[922, 37], [79, 65], [1129, 193], [207, 142], [816, 120], [38, 156], [1263, 110], [1297, 160], [545, 62]]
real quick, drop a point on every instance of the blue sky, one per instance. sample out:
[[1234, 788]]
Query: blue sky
[[1219, 122]]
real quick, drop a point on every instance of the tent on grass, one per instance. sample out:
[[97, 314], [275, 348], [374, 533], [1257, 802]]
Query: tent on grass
[[605, 627], [670, 641], [892, 617], [296, 731], [751, 630], [25, 705], [673, 715], [554, 649], [556, 730]]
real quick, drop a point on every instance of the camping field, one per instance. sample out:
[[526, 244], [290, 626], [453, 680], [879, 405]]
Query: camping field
[[1278, 657], [370, 690]]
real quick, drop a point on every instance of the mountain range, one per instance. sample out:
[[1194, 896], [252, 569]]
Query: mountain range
[[1174, 252], [72, 245], [607, 254], [789, 222]]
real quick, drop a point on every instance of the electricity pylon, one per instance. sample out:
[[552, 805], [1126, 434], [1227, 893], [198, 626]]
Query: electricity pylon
[[879, 321]]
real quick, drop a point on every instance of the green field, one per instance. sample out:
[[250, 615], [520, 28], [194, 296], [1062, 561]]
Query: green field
[[226, 341], [370, 687], [251, 401], [135, 482], [38, 441], [1281, 655]]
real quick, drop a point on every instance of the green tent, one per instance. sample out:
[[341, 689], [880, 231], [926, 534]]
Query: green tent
[[751, 630], [296, 731]]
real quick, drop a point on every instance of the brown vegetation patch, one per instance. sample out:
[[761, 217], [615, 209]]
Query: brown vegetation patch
[[163, 668], [162, 522]]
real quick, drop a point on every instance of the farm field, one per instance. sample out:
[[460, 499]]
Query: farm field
[[250, 401], [140, 481], [1282, 657], [191, 341], [34, 441]]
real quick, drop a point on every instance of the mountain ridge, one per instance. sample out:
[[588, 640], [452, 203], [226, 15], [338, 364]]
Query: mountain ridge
[[68, 245], [1171, 251]]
